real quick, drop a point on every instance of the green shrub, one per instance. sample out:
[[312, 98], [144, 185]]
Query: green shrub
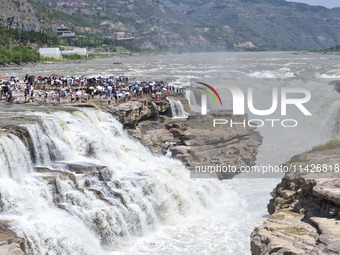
[[334, 144], [18, 54]]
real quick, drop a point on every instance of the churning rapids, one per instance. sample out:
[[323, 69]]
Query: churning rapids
[[128, 201]]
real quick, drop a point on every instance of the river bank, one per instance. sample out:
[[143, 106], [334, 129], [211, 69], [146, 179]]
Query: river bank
[[305, 207], [91, 56]]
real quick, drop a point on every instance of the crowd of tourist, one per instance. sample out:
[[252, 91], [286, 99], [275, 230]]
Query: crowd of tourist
[[55, 88]]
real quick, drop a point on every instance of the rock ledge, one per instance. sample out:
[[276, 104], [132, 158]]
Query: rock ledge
[[305, 210]]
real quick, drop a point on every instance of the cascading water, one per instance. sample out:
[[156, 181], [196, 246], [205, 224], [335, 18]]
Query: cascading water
[[89, 187], [155, 110], [12, 165], [177, 109]]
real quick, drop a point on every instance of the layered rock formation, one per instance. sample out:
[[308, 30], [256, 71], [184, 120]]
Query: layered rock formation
[[133, 112], [224, 145], [172, 136], [305, 207]]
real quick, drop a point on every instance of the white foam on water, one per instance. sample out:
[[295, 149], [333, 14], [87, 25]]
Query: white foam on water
[[218, 230], [272, 74], [152, 190]]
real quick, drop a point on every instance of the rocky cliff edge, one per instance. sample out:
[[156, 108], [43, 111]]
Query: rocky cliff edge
[[305, 208]]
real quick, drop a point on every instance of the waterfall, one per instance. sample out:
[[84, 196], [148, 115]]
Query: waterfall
[[177, 108], [88, 186], [155, 110], [15, 159]]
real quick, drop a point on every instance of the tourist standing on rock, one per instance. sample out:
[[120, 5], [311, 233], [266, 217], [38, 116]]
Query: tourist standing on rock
[[9, 96], [46, 95], [27, 92], [32, 96], [63, 94]]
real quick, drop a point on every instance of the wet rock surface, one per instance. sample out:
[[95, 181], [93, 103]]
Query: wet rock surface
[[336, 85], [153, 135], [10, 242], [132, 112], [168, 137], [305, 209]]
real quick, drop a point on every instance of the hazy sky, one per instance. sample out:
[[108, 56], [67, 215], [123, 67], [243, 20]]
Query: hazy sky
[[327, 3]]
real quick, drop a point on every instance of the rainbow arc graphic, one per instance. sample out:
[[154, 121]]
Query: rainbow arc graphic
[[209, 93], [204, 97]]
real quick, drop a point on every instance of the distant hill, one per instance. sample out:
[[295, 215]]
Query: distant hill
[[268, 24], [185, 24]]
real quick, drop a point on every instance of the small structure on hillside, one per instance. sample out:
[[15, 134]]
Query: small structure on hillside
[[61, 30], [64, 32]]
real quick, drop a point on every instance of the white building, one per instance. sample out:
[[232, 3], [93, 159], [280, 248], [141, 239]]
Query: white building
[[50, 52], [79, 51], [57, 53]]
